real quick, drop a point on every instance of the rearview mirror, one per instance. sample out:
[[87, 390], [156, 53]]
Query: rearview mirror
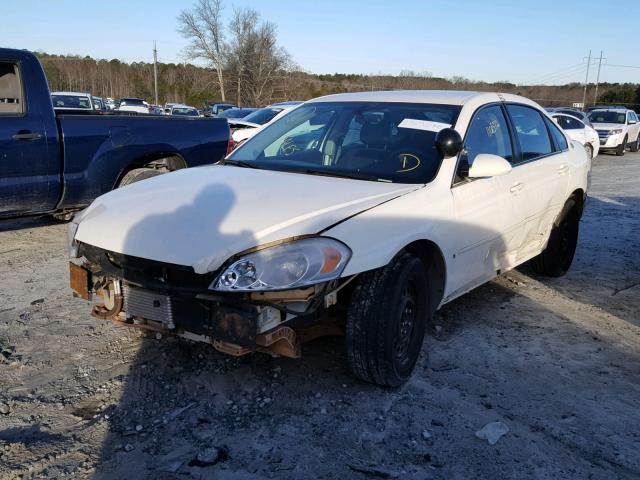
[[488, 165], [448, 142]]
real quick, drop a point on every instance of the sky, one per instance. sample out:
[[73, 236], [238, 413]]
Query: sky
[[521, 41]]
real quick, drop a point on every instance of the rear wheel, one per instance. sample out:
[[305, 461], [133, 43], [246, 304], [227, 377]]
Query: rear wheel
[[621, 148], [138, 174], [635, 146], [386, 321], [589, 150], [555, 260]]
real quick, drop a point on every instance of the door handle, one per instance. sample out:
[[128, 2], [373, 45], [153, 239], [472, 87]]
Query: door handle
[[27, 136], [516, 187], [562, 169]]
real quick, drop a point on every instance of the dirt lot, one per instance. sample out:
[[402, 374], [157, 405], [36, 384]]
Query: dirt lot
[[557, 361]]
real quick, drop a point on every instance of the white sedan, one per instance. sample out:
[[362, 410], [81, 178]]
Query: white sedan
[[580, 132], [359, 214]]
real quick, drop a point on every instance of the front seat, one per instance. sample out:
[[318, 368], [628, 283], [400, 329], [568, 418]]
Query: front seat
[[373, 146]]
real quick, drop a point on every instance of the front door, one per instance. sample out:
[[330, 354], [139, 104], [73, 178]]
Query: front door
[[484, 228], [28, 169]]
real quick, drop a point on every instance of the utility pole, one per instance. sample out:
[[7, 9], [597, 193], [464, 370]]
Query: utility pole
[[155, 71], [595, 96], [586, 81]]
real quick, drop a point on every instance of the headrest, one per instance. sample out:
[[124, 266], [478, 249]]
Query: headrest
[[375, 135]]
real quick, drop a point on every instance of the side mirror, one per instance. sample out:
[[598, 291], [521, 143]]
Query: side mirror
[[448, 142], [488, 165], [632, 122]]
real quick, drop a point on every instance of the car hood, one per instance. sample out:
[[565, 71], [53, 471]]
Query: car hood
[[200, 217], [233, 123], [607, 126]]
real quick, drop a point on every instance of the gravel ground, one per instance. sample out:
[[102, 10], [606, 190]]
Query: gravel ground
[[555, 361]]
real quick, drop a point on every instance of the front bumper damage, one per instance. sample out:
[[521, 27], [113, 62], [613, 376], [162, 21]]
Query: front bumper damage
[[173, 299]]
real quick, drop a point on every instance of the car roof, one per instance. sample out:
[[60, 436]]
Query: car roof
[[75, 94], [446, 97]]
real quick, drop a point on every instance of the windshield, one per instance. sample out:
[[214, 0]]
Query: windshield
[[187, 112], [392, 142], [70, 101], [262, 116], [607, 116]]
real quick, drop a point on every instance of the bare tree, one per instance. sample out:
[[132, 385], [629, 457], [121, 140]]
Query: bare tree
[[242, 27], [202, 26], [255, 58]]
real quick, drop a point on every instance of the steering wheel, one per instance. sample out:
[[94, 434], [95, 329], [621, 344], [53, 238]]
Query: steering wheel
[[288, 147]]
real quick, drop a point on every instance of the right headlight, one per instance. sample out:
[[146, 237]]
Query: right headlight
[[295, 264], [615, 131]]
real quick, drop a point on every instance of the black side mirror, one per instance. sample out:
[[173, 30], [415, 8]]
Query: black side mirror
[[448, 142]]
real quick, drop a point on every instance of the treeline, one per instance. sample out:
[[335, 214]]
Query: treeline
[[190, 84]]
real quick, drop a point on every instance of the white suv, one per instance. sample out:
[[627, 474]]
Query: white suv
[[618, 128], [358, 213]]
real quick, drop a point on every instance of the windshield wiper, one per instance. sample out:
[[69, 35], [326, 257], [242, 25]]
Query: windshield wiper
[[341, 173], [239, 163]]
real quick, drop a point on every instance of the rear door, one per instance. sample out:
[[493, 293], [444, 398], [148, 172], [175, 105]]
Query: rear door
[[538, 182], [29, 166]]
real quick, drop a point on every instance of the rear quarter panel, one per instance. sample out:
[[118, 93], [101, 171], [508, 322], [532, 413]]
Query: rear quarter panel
[[99, 149]]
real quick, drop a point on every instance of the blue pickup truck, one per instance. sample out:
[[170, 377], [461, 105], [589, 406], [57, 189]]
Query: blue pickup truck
[[58, 162]]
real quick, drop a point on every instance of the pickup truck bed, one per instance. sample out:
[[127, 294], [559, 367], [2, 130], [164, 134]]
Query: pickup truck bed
[[51, 162]]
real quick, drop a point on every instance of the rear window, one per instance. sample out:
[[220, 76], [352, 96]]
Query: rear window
[[11, 101], [71, 101], [263, 115], [132, 102]]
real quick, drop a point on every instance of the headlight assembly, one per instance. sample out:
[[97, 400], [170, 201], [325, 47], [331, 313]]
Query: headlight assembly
[[290, 265], [615, 131]]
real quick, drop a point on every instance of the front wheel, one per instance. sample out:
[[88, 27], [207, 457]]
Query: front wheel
[[556, 258], [635, 146], [138, 174], [386, 321], [621, 148]]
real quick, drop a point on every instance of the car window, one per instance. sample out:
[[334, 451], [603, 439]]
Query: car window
[[569, 123], [263, 115], [488, 133], [531, 132], [11, 100], [71, 101], [558, 136], [384, 141]]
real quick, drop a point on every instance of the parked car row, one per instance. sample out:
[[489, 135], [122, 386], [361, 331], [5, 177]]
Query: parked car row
[[601, 128]]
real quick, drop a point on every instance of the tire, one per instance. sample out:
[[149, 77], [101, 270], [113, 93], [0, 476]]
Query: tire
[[635, 146], [589, 150], [621, 148], [556, 258], [386, 321], [138, 174]]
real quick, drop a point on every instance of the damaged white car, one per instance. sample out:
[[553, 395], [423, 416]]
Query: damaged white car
[[357, 214]]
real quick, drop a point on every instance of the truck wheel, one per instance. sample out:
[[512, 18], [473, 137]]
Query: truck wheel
[[555, 260], [635, 146], [386, 321], [589, 150], [621, 148], [138, 174]]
